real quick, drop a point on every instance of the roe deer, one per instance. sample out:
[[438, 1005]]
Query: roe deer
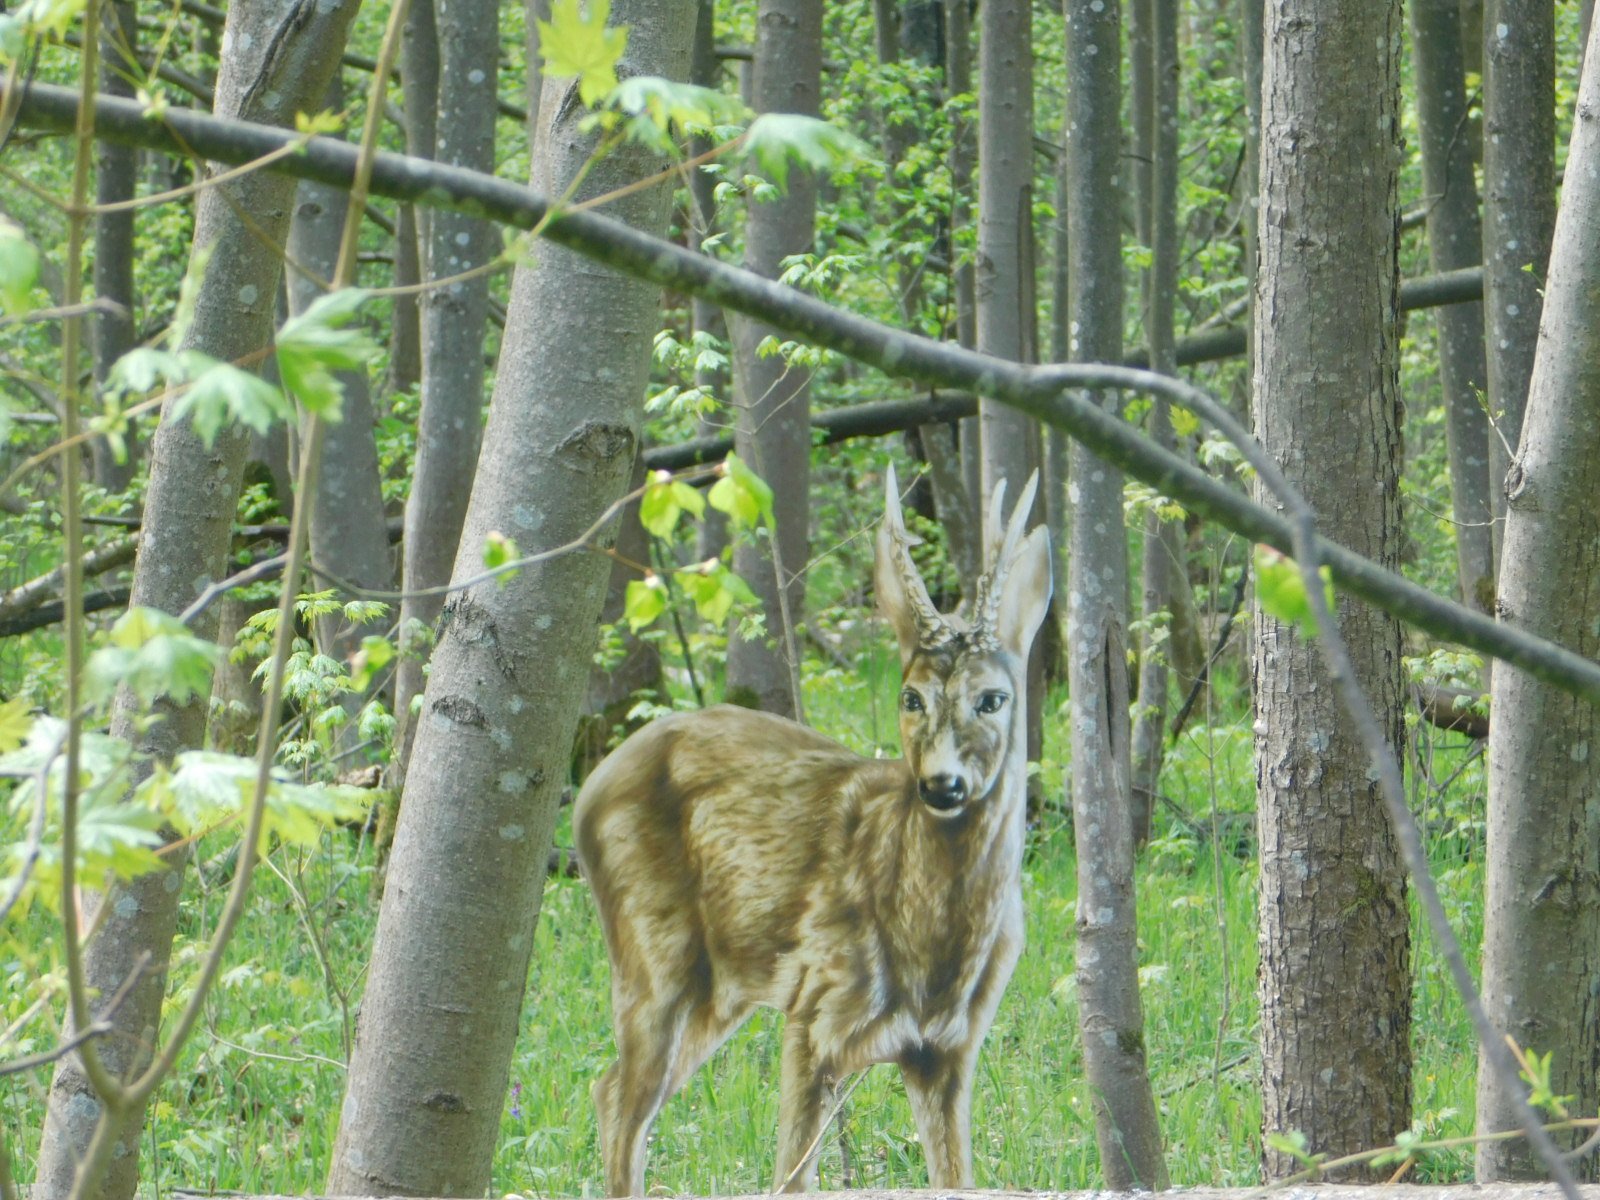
[[739, 858]]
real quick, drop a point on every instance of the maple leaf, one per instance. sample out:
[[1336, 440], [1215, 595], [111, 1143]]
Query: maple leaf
[[574, 44]]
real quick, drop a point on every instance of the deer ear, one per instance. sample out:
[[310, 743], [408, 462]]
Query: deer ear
[[1027, 593]]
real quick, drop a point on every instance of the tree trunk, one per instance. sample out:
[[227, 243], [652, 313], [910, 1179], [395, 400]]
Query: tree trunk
[[774, 406], [349, 534], [1126, 1126], [1455, 239], [459, 131], [1004, 273], [963, 150], [428, 1078], [1163, 539], [1332, 893], [183, 544], [1519, 210], [706, 316], [1541, 951], [116, 173]]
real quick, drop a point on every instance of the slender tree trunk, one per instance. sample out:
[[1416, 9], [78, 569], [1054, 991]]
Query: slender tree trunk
[[1519, 210], [1004, 273], [458, 130], [1005, 219], [706, 317], [349, 534], [1332, 896], [1127, 1129], [405, 334], [188, 515], [773, 433], [1455, 239], [1163, 539], [1541, 947], [428, 1078], [963, 152], [116, 173]]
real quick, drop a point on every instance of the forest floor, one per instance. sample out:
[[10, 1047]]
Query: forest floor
[[254, 1106]]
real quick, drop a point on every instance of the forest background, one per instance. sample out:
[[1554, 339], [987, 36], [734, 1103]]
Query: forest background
[[1090, 183]]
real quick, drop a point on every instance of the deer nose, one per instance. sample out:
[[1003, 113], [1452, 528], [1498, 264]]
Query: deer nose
[[943, 792]]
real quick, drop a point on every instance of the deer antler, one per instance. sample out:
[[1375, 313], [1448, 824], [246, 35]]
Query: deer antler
[[933, 631], [991, 586]]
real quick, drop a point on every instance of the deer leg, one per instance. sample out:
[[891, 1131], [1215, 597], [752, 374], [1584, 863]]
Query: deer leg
[[939, 1085], [632, 1090], [806, 1087]]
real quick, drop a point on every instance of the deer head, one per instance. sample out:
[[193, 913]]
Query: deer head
[[962, 679]]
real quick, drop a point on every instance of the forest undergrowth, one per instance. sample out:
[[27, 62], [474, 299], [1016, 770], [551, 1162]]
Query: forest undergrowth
[[254, 1104]]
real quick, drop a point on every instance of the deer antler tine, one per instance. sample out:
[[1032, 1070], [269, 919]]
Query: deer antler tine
[[986, 607], [994, 524], [932, 630]]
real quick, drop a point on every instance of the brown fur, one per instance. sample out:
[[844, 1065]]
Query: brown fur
[[740, 859]]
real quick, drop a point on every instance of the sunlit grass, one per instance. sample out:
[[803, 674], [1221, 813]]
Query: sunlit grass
[[255, 1104]]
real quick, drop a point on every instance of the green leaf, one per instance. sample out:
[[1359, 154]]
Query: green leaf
[[19, 268], [1282, 591], [15, 721], [742, 494], [778, 141], [644, 601], [375, 654], [658, 110], [13, 39], [664, 500], [204, 789], [222, 394], [498, 550], [153, 654], [574, 44], [311, 347], [1294, 1144], [715, 590]]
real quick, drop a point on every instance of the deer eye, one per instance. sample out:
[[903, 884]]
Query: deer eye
[[910, 701], [991, 702]]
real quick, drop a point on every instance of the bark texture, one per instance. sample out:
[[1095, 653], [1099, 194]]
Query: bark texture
[[1541, 952], [428, 1078], [282, 55], [459, 131], [1162, 564], [115, 174], [1519, 208], [1127, 1130], [349, 534], [774, 399], [1455, 240], [1332, 896]]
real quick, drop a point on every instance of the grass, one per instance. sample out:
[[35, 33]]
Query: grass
[[255, 1104]]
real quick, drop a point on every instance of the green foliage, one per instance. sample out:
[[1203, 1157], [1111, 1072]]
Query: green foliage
[[742, 494], [19, 269], [320, 341], [153, 654], [214, 394], [775, 142], [573, 42], [204, 790], [1282, 591], [499, 552]]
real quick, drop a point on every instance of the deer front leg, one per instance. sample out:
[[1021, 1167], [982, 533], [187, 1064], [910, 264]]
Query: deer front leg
[[806, 1087], [939, 1085]]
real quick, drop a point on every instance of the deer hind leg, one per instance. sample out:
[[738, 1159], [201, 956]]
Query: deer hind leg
[[939, 1085], [662, 1039], [805, 1092]]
